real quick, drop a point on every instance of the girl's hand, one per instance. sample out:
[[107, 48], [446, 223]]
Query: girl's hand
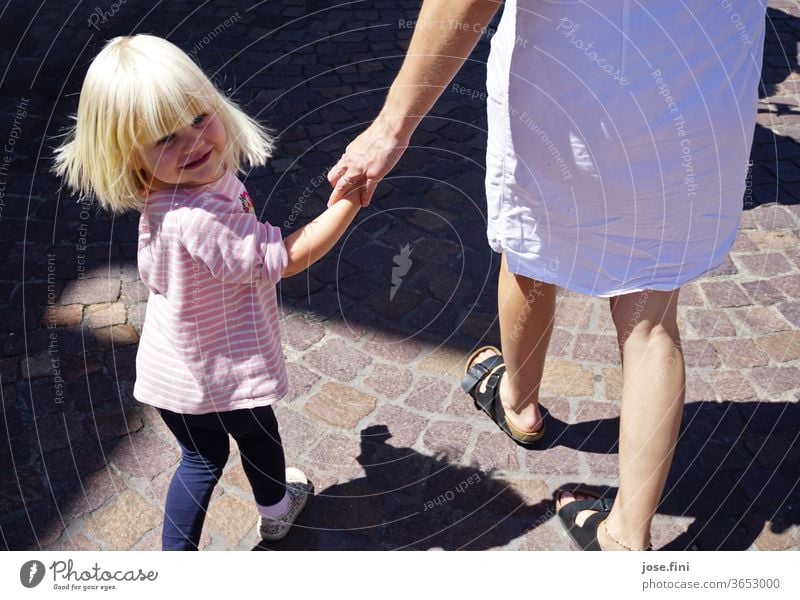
[[366, 161]]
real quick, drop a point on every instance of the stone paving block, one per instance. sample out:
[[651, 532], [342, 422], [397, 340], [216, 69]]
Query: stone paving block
[[744, 243], [397, 349], [566, 378], [389, 381], [448, 438], [574, 313], [596, 348], [789, 285], [774, 380], [769, 539], [144, 455], [350, 328], [791, 312], [115, 336], [763, 292], [123, 522], [691, 295], [727, 267], [8, 396], [90, 291], [697, 389], [404, 426], [41, 364], [495, 451], [108, 425], [338, 360], [301, 380], [72, 542], [666, 528], [136, 314], [340, 405], [765, 264], [741, 353], [302, 333], [96, 490], [731, 386], [429, 394], [338, 454], [700, 353], [762, 319], [707, 323], [781, 347], [445, 361], [561, 343], [62, 316], [556, 460], [773, 240], [106, 314], [724, 294], [461, 405], [770, 217], [482, 326], [604, 466], [134, 291], [231, 517]]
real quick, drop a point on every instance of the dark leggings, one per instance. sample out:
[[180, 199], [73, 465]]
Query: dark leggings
[[204, 443]]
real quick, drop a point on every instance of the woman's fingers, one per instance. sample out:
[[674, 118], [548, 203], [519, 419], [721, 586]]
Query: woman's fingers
[[336, 172], [345, 183], [368, 190]]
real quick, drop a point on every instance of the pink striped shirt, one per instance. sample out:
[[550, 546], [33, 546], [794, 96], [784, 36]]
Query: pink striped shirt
[[211, 339]]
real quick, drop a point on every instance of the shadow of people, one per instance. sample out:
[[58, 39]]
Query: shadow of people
[[407, 500], [736, 472], [773, 176]]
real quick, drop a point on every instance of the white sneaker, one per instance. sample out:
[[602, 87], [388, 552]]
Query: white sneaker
[[299, 489]]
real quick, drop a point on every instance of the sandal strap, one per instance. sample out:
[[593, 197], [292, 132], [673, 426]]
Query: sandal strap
[[570, 511], [478, 371]]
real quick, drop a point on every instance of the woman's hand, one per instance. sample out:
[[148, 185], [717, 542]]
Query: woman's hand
[[366, 161]]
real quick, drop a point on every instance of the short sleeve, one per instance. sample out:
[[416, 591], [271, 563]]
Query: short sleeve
[[236, 247]]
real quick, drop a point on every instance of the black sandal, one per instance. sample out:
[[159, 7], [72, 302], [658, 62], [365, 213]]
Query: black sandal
[[489, 399], [585, 536]]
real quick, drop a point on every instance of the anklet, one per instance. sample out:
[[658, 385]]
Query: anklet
[[616, 541]]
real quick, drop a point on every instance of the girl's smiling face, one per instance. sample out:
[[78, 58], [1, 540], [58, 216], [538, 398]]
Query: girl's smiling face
[[188, 157]]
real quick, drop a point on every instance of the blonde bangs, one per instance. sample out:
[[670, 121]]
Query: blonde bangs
[[138, 90], [162, 105]]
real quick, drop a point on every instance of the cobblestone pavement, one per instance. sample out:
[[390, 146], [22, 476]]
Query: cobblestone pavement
[[399, 456]]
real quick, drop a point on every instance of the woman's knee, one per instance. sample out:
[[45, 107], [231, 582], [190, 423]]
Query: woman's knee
[[644, 316]]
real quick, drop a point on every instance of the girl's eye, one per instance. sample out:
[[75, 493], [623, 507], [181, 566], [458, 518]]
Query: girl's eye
[[166, 139], [199, 119]]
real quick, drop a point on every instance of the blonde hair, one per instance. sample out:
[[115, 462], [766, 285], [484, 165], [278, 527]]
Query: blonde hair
[[137, 90]]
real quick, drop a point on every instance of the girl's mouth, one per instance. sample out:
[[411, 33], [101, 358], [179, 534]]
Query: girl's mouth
[[199, 162]]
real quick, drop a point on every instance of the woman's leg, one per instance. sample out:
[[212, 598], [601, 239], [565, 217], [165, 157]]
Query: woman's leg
[[653, 393], [204, 454], [526, 309]]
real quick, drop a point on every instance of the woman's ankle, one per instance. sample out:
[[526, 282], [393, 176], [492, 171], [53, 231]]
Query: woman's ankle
[[522, 408], [611, 536]]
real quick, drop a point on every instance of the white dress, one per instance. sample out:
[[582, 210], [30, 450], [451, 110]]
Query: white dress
[[619, 138]]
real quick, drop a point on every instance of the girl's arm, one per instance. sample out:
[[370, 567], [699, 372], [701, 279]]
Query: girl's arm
[[445, 34], [313, 241]]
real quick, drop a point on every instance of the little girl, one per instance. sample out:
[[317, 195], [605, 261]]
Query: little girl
[[153, 134]]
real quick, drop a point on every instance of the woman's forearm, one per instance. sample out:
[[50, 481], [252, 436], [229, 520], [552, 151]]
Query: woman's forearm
[[445, 34]]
